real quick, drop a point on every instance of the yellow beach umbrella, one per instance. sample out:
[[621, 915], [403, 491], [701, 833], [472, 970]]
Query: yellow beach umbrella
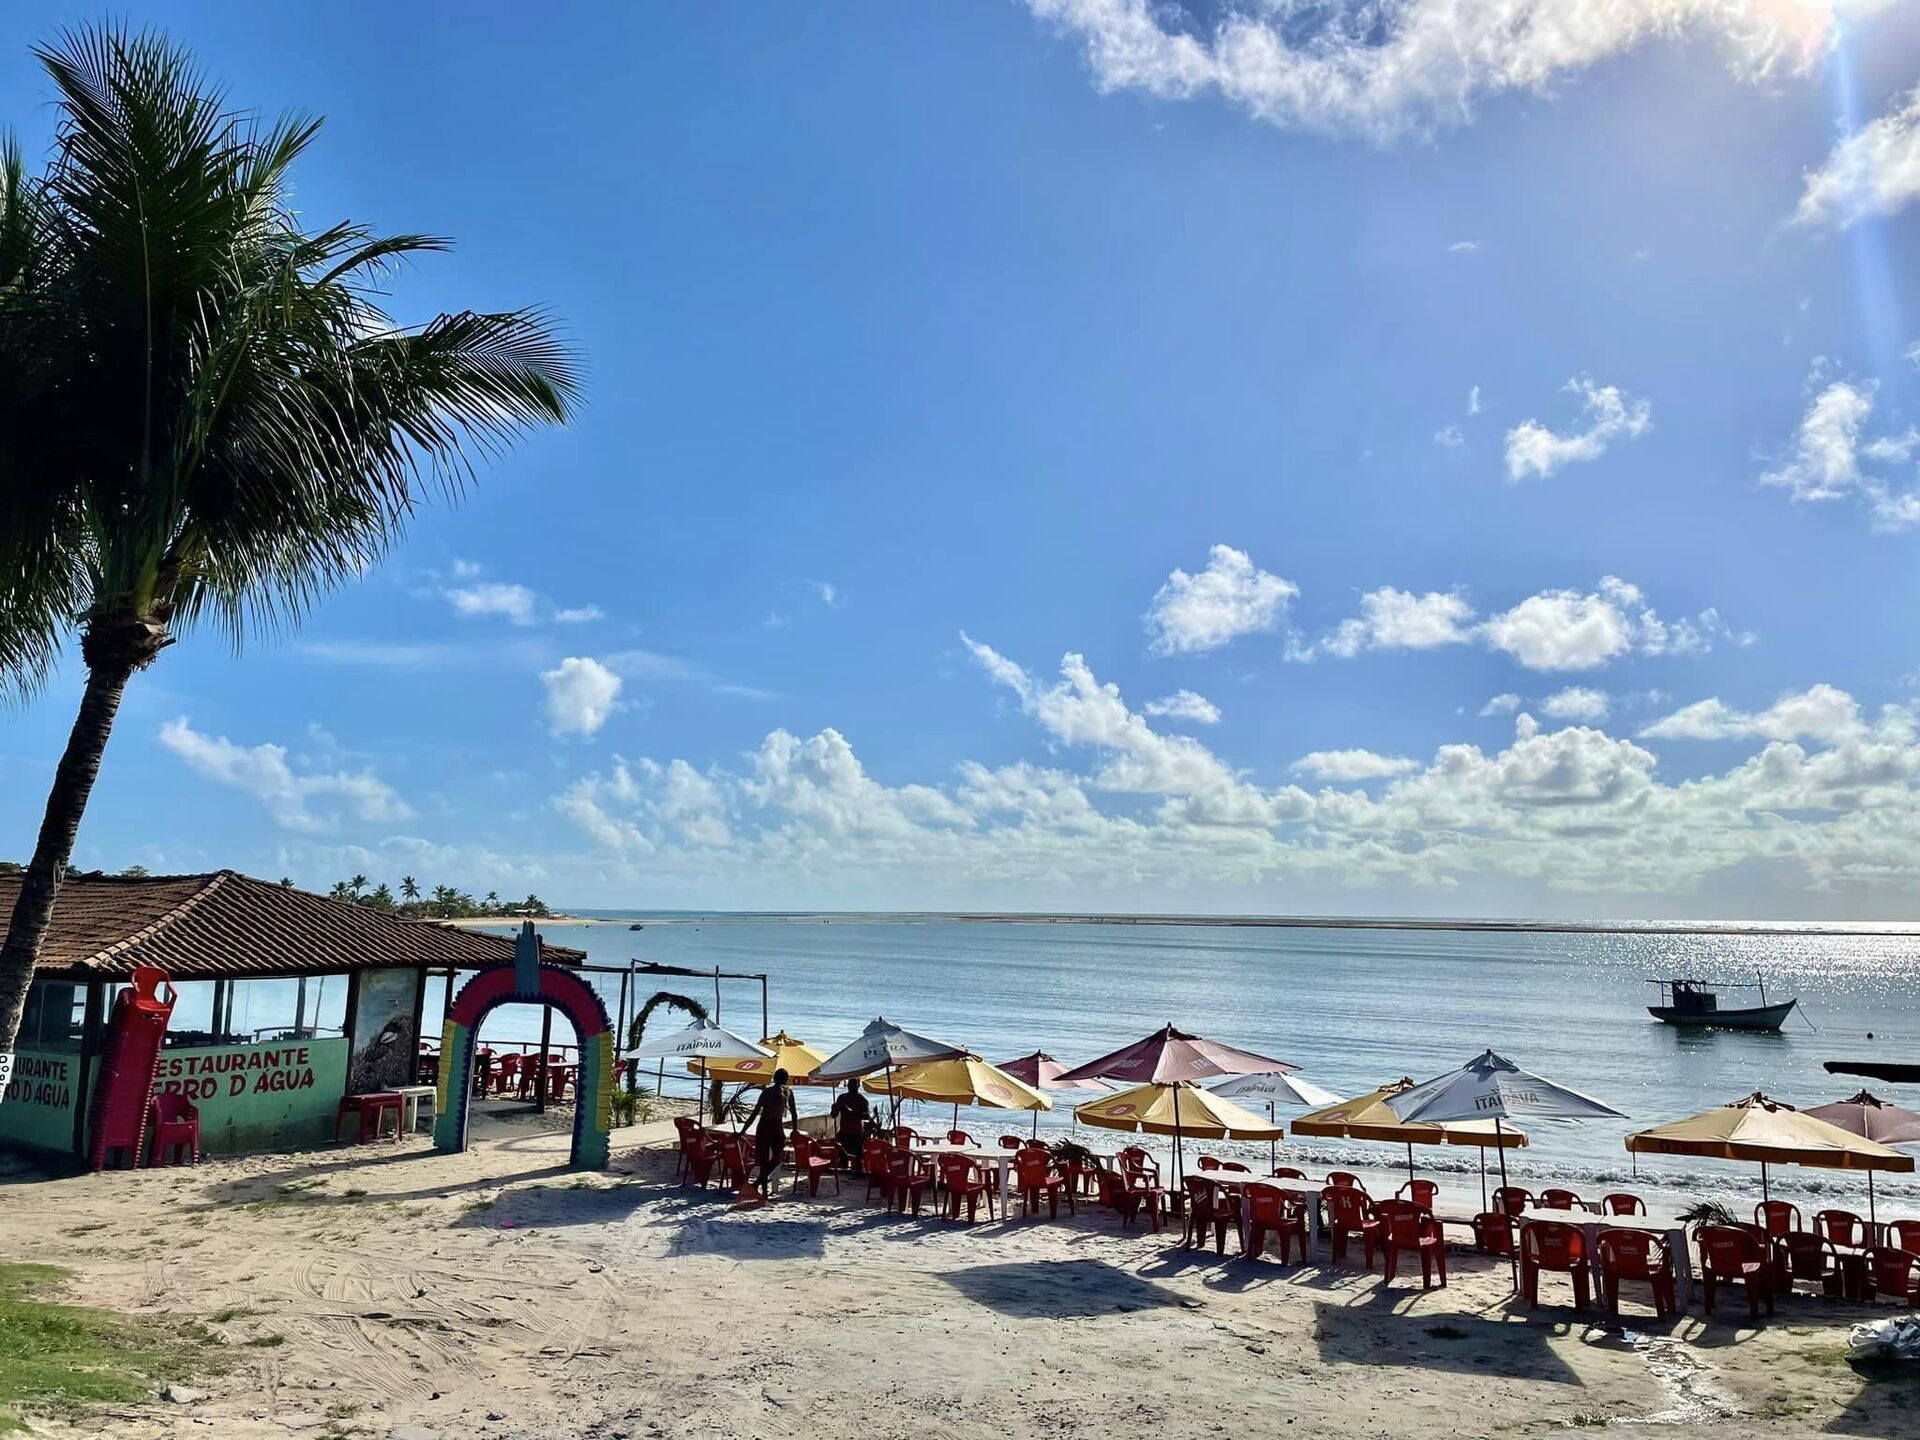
[[1178, 1110], [1771, 1132], [961, 1080], [1369, 1117], [796, 1057]]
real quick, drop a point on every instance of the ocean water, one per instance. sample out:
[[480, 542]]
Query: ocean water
[[1353, 1008]]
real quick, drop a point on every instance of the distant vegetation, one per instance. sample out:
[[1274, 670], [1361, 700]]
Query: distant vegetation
[[443, 902]]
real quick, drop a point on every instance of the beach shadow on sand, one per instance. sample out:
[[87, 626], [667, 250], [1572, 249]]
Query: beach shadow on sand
[[1059, 1289], [1885, 1403], [1354, 1335]]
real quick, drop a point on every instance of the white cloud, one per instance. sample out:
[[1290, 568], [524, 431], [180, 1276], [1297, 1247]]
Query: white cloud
[[1393, 619], [580, 695], [1473, 401], [1185, 705], [1609, 413], [1463, 247], [1576, 702], [1504, 704], [828, 593], [266, 773], [1832, 457], [1563, 630], [1448, 437], [1228, 599], [1353, 765], [1356, 65], [579, 615], [1874, 171], [1822, 712], [490, 597]]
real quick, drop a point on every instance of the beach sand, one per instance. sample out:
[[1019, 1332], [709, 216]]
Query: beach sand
[[498, 1294]]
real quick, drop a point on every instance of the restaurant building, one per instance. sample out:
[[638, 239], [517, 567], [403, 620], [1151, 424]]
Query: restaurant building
[[287, 1001]]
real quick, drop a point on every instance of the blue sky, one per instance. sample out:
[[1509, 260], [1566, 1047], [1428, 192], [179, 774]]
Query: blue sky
[[1514, 456]]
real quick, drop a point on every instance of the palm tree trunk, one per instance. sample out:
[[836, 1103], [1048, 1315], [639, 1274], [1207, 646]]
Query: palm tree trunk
[[72, 784]]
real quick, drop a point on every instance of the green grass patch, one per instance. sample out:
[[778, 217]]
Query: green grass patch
[[266, 1342], [62, 1358], [1825, 1356]]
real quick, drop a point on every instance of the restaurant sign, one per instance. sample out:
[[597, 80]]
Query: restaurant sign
[[265, 1096], [36, 1103]]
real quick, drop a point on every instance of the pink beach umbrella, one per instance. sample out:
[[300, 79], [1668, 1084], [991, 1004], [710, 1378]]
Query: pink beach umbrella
[[1169, 1056], [1043, 1072], [1867, 1114]]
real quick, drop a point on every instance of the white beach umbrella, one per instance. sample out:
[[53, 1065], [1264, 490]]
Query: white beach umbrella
[[1492, 1087], [702, 1040], [882, 1046], [1275, 1088]]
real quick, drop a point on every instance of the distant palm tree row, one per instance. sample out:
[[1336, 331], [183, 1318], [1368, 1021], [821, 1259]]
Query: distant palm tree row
[[445, 903]]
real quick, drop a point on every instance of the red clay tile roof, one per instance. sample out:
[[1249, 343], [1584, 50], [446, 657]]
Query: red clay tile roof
[[232, 924]]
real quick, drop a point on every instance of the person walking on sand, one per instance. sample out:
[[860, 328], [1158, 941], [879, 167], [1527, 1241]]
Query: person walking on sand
[[850, 1115], [769, 1121]]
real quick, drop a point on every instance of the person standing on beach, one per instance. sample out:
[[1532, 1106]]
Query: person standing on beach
[[850, 1114], [769, 1120]]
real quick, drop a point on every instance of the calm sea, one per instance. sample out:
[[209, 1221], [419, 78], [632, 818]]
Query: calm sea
[[1353, 1008]]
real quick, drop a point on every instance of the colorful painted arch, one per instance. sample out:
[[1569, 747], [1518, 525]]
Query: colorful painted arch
[[580, 1003]]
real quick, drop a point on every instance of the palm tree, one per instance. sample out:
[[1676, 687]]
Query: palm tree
[[492, 901], [356, 885], [205, 417], [409, 889], [380, 899]]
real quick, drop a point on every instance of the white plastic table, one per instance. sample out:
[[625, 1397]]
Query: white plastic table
[[1308, 1190], [1657, 1222], [414, 1099], [1002, 1160]]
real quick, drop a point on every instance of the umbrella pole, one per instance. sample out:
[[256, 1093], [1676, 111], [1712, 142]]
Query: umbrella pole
[[1764, 1195], [1409, 1160], [1178, 1172], [1872, 1219], [1513, 1248], [1483, 1179], [1273, 1142]]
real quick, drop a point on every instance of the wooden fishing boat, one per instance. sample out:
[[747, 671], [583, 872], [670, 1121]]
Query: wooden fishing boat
[[1692, 1005]]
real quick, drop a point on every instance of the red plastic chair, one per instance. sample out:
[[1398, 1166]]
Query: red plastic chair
[[506, 1073], [1234, 1167], [904, 1136], [173, 1125], [1082, 1179], [1810, 1259], [907, 1181], [1209, 1162], [1733, 1256], [875, 1156], [1636, 1255], [959, 1137], [1777, 1218], [1561, 1200], [1512, 1200], [1621, 1203], [1904, 1235], [1130, 1199], [1845, 1229], [736, 1162], [689, 1131], [1421, 1192], [1035, 1176], [1892, 1272], [1346, 1180], [1287, 1172], [964, 1180], [1553, 1245], [810, 1163], [700, 1155], [1493, 1232], [1206, 1209], [1139, 1165], [1272, 1213], [1012, 1142], [1405, 1225], [1350, 1213]]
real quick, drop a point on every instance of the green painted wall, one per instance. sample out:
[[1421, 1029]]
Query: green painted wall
[[271, 1096], [37, 1109]]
